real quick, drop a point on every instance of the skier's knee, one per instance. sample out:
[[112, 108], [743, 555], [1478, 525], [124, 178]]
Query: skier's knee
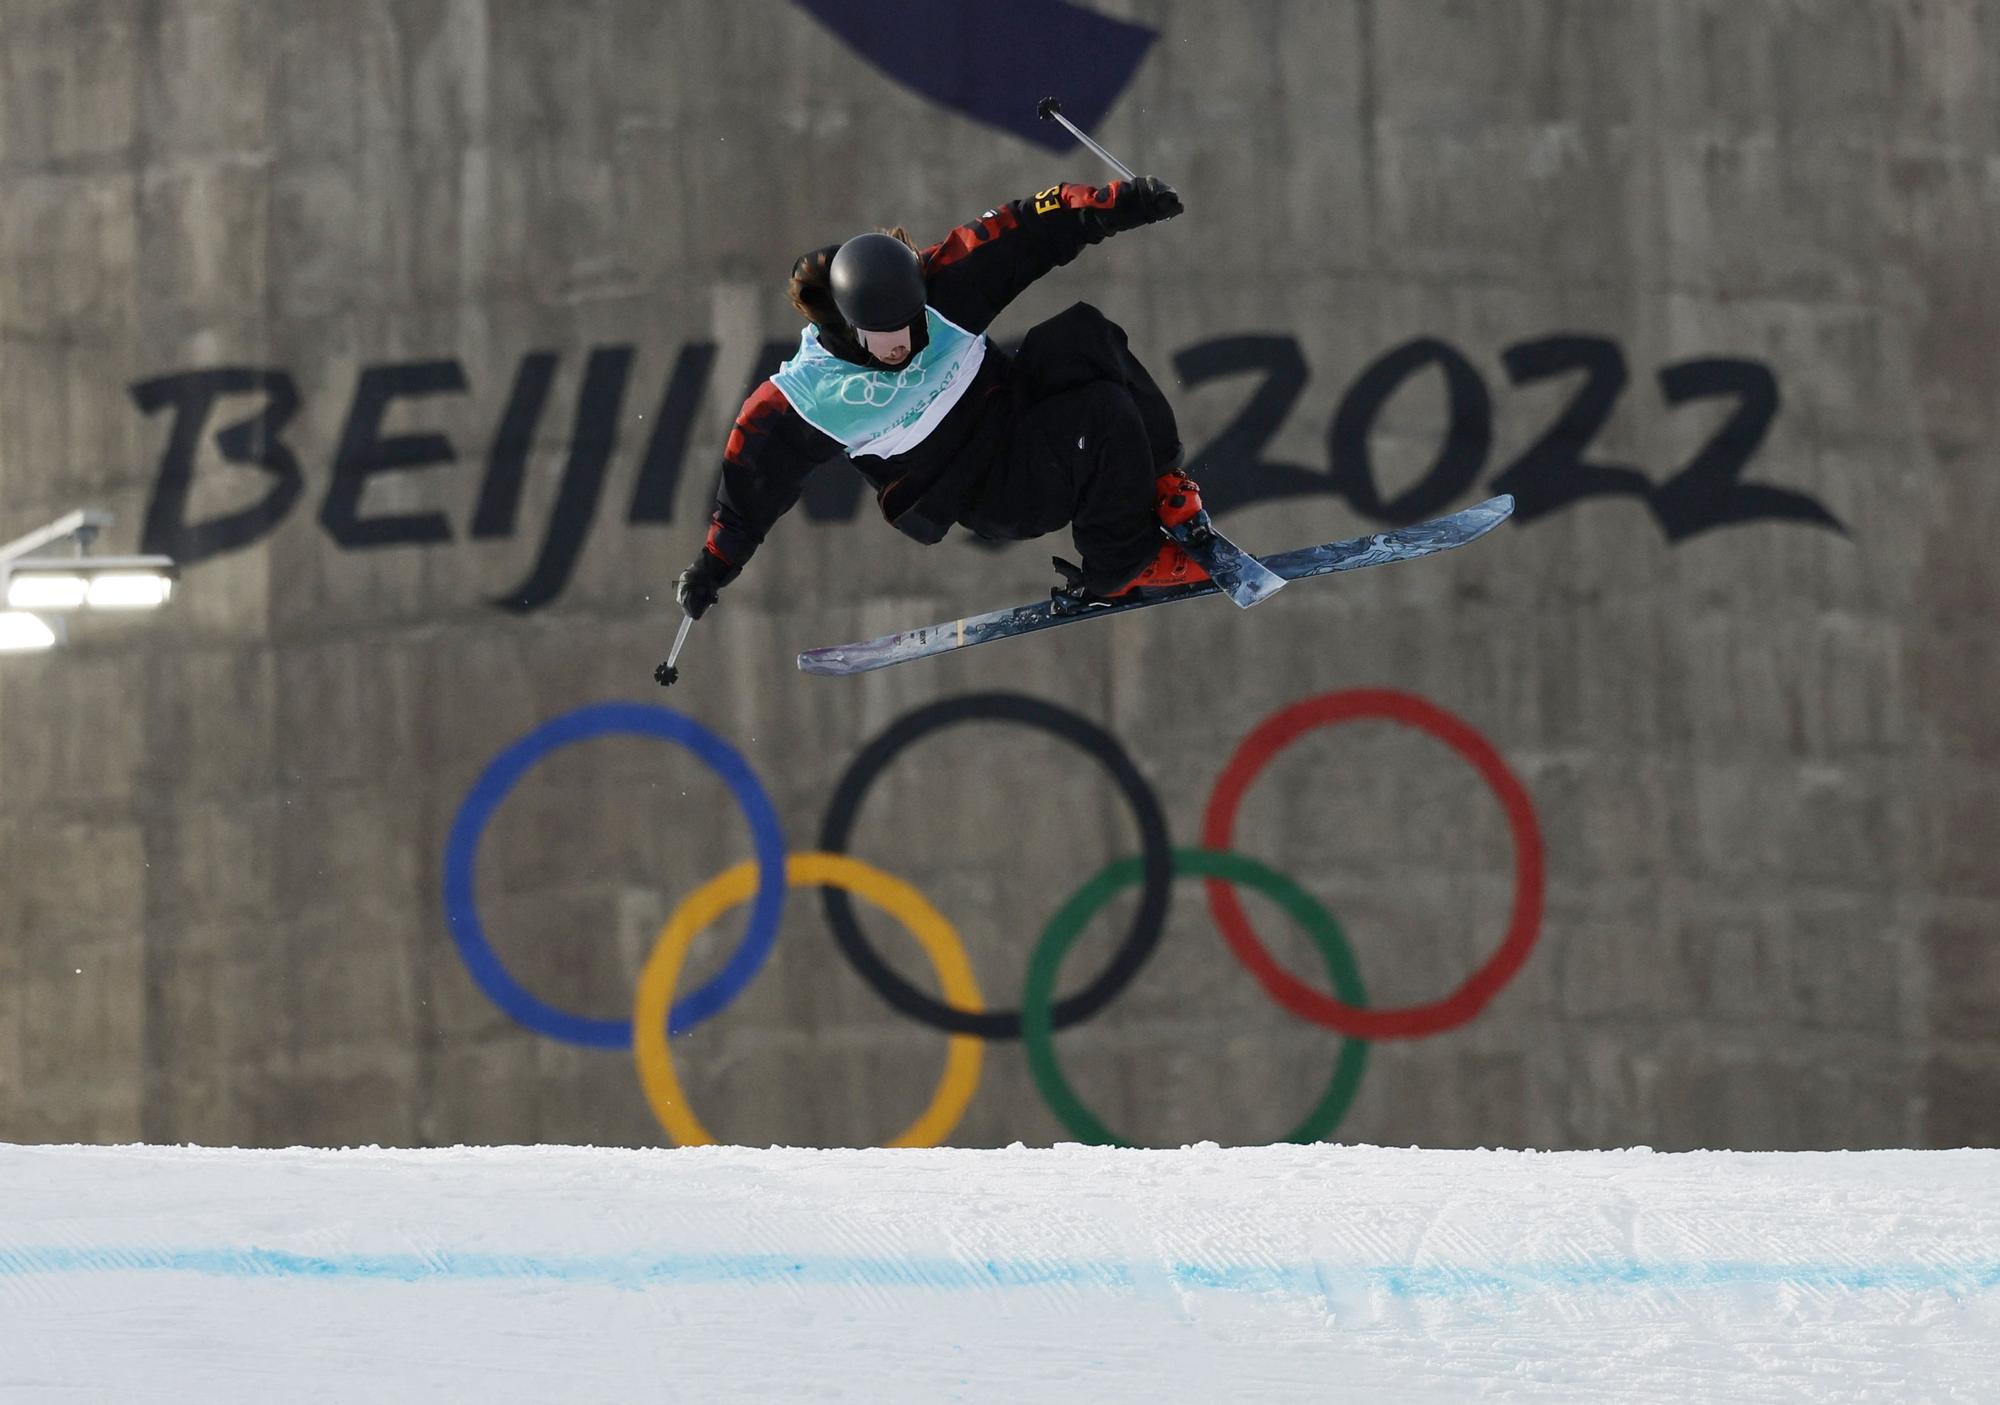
[[1079, 316], [1106, 409]]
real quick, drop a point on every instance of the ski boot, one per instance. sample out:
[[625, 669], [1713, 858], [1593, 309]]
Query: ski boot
[[1177, 501], [1237, 574]]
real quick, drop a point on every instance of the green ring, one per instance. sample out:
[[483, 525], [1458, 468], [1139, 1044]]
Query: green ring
[[1037, 1030]]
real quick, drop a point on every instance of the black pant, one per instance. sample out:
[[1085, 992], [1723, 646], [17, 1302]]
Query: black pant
[[1087, 433]]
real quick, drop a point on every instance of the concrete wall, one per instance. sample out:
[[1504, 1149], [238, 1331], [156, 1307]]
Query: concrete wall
[[1755, 746]]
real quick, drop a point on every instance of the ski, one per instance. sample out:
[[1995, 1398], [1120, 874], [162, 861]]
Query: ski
[[1379, 548], [1241, 576]]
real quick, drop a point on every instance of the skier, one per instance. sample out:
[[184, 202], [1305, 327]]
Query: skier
[[896, 371]]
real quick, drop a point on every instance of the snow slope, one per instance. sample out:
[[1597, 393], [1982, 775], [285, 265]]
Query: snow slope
[[1323, 1273]]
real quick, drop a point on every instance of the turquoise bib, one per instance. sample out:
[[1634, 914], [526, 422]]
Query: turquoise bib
[[882, 413]]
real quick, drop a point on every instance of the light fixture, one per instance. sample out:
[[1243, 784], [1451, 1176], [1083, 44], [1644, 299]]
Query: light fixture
[[22, 633], [128, 590], [51, 592], [88, 582], [77, 582]]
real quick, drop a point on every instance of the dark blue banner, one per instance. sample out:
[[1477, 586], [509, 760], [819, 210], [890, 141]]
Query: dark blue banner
[[995, 62]]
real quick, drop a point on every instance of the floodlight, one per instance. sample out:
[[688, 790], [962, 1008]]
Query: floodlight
[[35, 591], [21, 633], [88, 582], [129, 590], [78, 582]]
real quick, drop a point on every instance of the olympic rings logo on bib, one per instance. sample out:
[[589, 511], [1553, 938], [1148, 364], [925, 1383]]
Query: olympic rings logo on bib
[[878, 388], [962, 1013]]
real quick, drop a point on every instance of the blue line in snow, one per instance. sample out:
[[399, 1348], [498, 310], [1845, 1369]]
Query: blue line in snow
[[641, 1271]]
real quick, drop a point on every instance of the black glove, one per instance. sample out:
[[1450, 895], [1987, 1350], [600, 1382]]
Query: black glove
[[1144, 200], [700, 585]]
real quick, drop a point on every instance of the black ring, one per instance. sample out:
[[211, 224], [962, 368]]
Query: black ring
[[1157, 850]]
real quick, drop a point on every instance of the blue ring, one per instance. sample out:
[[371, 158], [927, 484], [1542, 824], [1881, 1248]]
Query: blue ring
[[597, 720]]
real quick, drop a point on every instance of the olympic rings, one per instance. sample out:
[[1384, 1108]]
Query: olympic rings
[[500, 777], [868, 382], [1408, 1022], [961, 1013], [938, 938], [1037, 1034], [1147, 923]]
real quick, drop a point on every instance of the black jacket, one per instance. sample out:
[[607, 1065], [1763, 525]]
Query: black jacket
[[969, 277]]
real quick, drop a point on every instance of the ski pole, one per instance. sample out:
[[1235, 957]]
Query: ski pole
[[666, 675], [1050, 108]]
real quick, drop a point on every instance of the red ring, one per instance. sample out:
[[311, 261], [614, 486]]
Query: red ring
[[1286, 726]]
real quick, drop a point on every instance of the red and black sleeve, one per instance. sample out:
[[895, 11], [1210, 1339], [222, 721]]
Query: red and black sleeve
[[764, 468], [980, 267]]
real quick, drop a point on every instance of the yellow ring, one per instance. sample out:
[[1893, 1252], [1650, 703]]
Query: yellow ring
[[934, 934]]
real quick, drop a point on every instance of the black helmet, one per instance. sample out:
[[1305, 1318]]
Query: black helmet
[[878, 284]]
